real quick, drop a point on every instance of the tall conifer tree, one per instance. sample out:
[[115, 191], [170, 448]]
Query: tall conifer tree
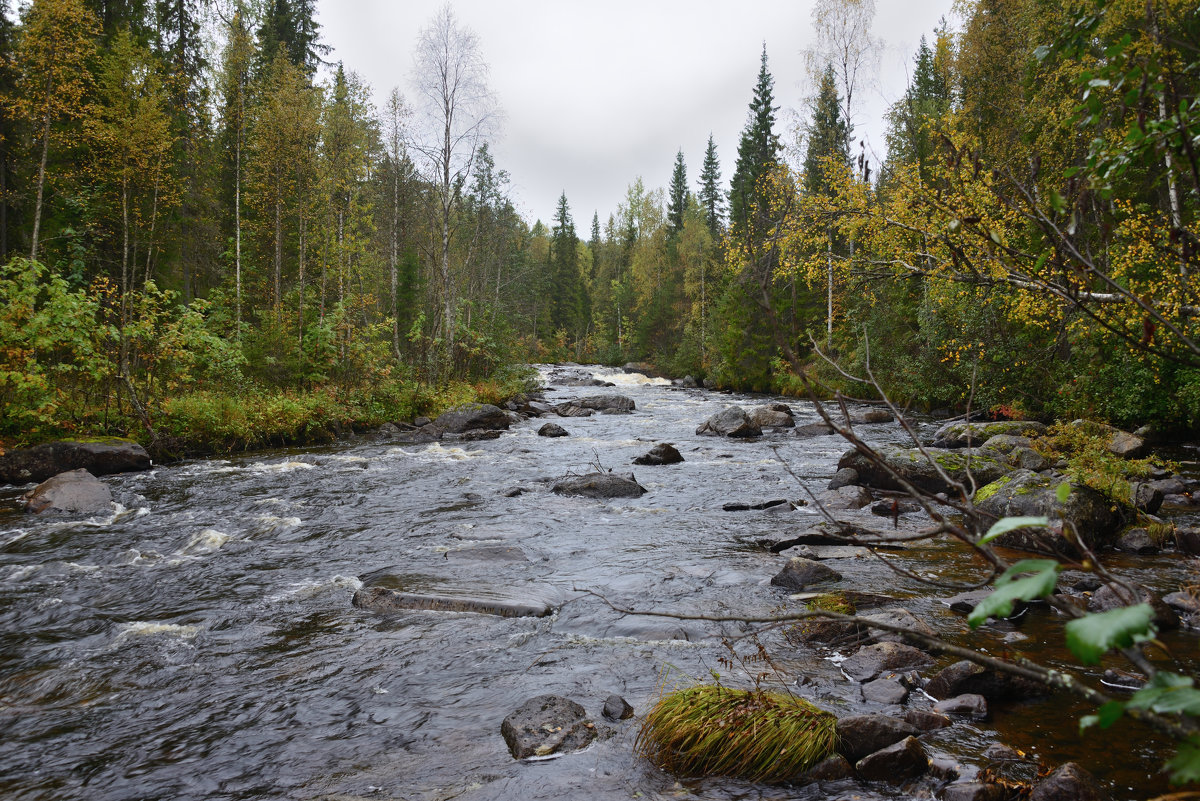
[[758, 150], [712, 199], [677, 195], [828, 137]]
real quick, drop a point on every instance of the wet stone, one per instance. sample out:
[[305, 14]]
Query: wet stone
[[547, 724], [860, 735], [872, 660], [617, 708], [799, 573], [1069, 783], [896, 763], [898, 617], [1137, 540], [845, 477], [829, 769], [966, 677], [600, 485], [973, 791], [884, 691], [73, 492], [661, 454], [925, 720], [968, 705], [552, 430]]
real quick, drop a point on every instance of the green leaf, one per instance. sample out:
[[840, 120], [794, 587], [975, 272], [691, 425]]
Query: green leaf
[[1057, 202], [1105, 716], [1185, 766], [1062, 492], [1007, 524], [1009, 588], [1091, 636]]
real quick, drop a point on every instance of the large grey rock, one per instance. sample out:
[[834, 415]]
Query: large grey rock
[[72, 492], [472, 417], [871, 661], [547, 724], [974, 791], [600, 485], [965, 677], [605, 404], [552, 430], [894, 764], [912, 466], [1146, 496], [767, 417], [819, 429], [968, 705], [617, 708], [799, 573], [861, 735], [962, 435], [730, 422], [845, 477], [661, 454], [100, 457], [1025, 493], [1116, 596], [925, 720], [1136, 540], [871, 416], [829, 769], [884, 691], [845, 498], [1069, 783]]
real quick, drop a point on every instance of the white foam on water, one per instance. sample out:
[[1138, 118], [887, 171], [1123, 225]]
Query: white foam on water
[[633, 380], [142, 628], [310, 589], [269, 524], [205, 541], [78, 568], [17, 573], [17, 536], [279, 467], [379, 691], [583, 639]]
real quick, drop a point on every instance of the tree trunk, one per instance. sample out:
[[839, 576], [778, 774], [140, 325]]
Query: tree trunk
[[237, 217], [41, 184], [278, 255], [395, 260]]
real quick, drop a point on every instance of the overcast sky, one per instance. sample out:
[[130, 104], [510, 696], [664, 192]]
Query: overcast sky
[[596, 94]]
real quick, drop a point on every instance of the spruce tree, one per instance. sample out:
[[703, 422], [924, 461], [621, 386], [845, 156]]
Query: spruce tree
[[758, 150], [828, 138], [566, 305], [677, 195], [711, 197]]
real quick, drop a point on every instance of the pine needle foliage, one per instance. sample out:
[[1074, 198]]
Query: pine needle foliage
[[710, 730]]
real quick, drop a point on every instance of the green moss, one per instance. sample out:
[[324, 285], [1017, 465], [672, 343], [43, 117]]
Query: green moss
[[832, 602], [983, 493]]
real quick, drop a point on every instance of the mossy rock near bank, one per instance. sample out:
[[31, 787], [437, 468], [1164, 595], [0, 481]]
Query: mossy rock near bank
[[911, 465], [1025, 493], [99, 456], [962, 435]]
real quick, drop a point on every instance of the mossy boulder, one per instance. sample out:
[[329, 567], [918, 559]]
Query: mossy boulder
[[962, 435], [1025, 493], [912, 465]]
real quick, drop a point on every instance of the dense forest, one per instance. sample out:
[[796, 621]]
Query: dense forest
[[212, 235]]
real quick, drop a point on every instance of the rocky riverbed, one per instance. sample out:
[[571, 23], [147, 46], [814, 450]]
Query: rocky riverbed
[[196, 637]]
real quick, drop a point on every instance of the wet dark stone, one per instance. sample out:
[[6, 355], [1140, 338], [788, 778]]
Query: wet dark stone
[[474, 435], [898, 617], [845, 477], [766, 417], [1147, 497], [730, 422], [426, 433], [99, 457], [661, 454], [891, 507], [969, 705], [552, 430], [872, 416], [1187, 539], [966, 677], [872, 660], [896, 763], [884, 691], [756, 506], [824, 631], [617, 708], [1137, 540], [1069, 783], [973, 791], [914, 467], [73, 492], [845, 498], [799, 573], [388, 601], [600, 485], [925, 720], [813, 430], [1025, 494], [1115, 596], [1183, 602], [962, 435], [472, 417], [547, 724], [829, 769], [861, 735]]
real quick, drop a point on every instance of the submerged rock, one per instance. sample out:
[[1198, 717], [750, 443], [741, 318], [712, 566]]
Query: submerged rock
[[819, 429], [731, 422], [872, 660], [605, 404], [1069, 783], [552, 430], [965, 677], [547, 724], [382, 599], [1115, 596], [100, 457], [72, 492], [600, 485], [661, 454], [799, 573]]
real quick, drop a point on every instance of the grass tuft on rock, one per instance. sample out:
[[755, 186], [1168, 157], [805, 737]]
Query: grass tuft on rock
[[710, 730]]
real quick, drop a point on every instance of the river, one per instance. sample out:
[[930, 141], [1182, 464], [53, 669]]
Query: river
[[200, 643]]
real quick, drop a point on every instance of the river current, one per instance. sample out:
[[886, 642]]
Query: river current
[[200, 643]]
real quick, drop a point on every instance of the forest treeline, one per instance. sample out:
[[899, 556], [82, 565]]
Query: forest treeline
[[211, 233]]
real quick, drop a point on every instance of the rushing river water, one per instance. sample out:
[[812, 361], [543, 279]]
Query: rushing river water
[[200, 643]]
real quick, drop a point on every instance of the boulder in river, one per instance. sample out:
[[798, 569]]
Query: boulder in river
[[1025, 493], [600, 485], [552, 430], [967, 705], [911, 465], [962, 435], [845, 477], [894, 764], [861, 735], [660, 454], [547, 724], [897, 617], [471, 417], [730, 422], [768, 417], [617, 708], [72, 492], [800, 573], [967, 677], [1069, 783], [604, 404], [1114, 596], [100, 457], [884, 691], [845, 498], [871, 661]]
